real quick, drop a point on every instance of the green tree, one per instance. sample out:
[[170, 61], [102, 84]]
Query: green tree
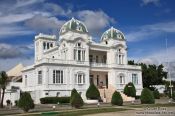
[[147, 96], [130, 90], [151, 74], [117, 99], [131, 62], [156, 94], [92, 92], [3, 84], [73, 92], [25, 102], [76, 100]]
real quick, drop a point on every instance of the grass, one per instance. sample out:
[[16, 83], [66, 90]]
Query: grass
[[79, 112]]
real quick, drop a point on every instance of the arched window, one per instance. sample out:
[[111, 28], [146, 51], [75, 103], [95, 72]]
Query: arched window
[[121, 79], [79, 28], [79, 52], [80, 78], [106, 42]]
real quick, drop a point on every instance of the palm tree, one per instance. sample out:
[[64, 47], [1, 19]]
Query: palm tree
[[3, 83]]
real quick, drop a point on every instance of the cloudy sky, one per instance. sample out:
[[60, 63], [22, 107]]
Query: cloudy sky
[[145, 23]]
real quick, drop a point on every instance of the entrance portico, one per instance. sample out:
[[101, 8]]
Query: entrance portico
[[99, 78]]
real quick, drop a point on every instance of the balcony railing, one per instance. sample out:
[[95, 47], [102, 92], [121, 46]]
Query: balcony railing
[[61, 61], [95, 64]]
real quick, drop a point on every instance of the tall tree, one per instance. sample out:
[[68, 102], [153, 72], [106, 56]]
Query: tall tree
[[131, 62], [3, 83], [151, 74]]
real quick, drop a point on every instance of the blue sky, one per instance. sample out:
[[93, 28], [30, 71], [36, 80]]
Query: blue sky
[[145, 23]]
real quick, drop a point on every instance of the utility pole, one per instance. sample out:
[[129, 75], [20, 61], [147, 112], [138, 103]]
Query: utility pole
[[169, 74]]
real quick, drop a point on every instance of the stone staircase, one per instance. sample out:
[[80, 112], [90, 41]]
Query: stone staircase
[[106, 94]]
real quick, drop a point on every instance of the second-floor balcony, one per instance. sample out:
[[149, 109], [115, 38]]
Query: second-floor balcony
[[95, 64]]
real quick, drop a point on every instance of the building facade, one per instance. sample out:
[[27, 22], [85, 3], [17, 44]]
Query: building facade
[[74, 60]]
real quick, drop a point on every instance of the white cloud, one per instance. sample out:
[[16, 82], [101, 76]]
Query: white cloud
[[9, 51], [158, 56], [39, 14], [150, 31], [11, 30], [7, 64], [95, 20], [40, 23], [23, 3], [155, 2], [13, 18]]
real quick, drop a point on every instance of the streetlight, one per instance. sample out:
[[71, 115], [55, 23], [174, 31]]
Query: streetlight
[[169, 75]]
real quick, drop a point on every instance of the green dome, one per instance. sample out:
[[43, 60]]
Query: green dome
[[73, 25], [112, 33]]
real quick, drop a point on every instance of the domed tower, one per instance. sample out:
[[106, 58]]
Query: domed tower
[[74, 37], [74, 29], [115, 39], [112, 36]]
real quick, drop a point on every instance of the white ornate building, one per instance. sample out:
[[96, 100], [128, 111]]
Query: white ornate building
[[74, 60]]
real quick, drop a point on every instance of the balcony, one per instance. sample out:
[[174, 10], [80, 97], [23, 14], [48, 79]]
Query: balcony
[[61, 61], [95, 64]]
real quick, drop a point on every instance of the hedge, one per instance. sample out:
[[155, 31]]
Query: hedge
[[25, 102], [130, 90], [76, 100], [117, 99], [54, 100], [92, 92], [147, 96]]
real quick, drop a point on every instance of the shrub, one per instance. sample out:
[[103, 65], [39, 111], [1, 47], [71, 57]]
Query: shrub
[[92, 92], [54, 100], [173, 96], [130, 90], [26, 102], [73, 92], [147, 96], [156, 94], [76, 100], [117, 99], [16, 102], [8, 102]]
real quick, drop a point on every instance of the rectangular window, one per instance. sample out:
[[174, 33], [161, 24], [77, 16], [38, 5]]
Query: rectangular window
[[54, 72], [39, 77], [79, 55], [134, 79], [58, 76], [90, 58], [96, 59], [80, 78]]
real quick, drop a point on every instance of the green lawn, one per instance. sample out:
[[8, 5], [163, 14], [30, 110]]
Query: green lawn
[[80, 112]]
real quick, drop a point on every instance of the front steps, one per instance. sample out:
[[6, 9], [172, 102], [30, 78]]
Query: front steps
[[106, 94]]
